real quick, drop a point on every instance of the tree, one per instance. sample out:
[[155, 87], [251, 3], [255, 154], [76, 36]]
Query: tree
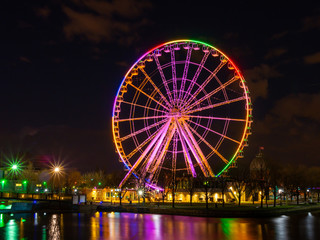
[[274, 178], [259, 172], [29, 175], [206, 184], [252, 187], [292, 178], [239, 177], [223, 185], [173, 186], [165, 182], [73, 179], [314, 174], [190, 187]]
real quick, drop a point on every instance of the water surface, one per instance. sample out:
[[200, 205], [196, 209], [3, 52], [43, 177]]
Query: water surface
[[153, 226]]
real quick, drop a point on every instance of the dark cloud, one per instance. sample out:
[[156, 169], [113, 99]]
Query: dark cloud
[[291, 129], [100, 21], [257, 79], [24, 59], [279, 35], [275, 52], [28, 131], [123, 64], [312, 59], [311, 23], [43, 12], [81, 148]]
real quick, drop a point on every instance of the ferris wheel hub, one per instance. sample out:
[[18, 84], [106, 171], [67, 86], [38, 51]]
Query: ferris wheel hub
[[175, 113]]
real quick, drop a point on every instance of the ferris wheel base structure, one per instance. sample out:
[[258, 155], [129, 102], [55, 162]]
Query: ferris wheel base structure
[[183, 108]]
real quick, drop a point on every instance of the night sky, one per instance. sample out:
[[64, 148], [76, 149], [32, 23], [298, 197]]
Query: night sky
[[63, 61]]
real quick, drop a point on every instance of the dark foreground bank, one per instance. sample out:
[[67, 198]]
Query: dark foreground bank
[[200, 211]]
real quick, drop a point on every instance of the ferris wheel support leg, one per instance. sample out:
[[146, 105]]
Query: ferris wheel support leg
[[160, 157], [203, 158], [164, 129], [186, 153], [155, 151]]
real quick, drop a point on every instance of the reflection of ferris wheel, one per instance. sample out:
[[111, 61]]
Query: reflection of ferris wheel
[[182, 107]]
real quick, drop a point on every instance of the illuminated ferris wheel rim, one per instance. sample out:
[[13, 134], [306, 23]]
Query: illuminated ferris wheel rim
[[176, 41], [247, 98]]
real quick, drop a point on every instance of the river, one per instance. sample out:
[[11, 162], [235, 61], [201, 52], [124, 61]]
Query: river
[[102, 225]]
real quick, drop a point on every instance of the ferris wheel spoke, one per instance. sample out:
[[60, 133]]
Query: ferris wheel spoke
[[142, 130], [155, 151], [146, 94], [204, 84], [209, 145], [138, 148], [163, 79], [149, 108], [210, 94], [161, 155], [198, 149], [218, 105], [174, 155], [174, 77], [186, 154], [145, 152], [220, 134], [140, 118], [185, 73], [202, 162], [196, 75], [216, 118], [155, 87]]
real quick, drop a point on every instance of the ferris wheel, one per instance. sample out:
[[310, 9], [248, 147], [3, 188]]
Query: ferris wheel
[[183, 107]]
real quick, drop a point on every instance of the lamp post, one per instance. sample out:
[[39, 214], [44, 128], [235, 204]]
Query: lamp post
[[2, 186], [56, 172], [140, 193], [15, 169], [280, 192]]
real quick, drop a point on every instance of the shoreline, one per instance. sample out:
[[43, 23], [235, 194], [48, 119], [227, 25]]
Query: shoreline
[[197, 210], [227, 212]]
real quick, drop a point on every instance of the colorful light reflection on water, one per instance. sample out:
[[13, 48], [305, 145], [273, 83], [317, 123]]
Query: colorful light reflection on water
[[151, 226]]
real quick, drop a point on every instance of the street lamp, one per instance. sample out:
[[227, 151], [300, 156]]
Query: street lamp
[[56, 171], [140, 193], [280, 192], [14, 167]]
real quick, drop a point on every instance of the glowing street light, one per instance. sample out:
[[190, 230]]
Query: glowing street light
[[14, 167], [57, 169]]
